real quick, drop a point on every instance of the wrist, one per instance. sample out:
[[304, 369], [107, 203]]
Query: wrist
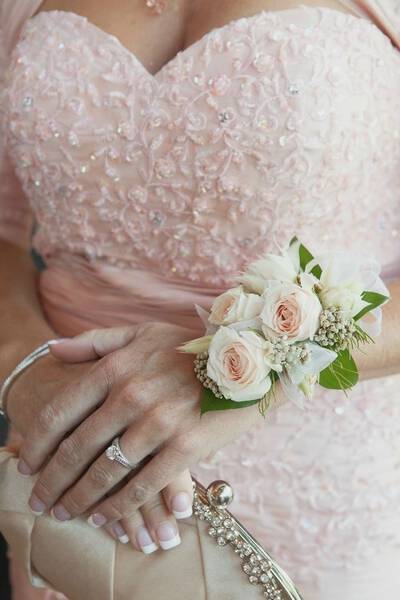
[[12, 351], [20, 358]]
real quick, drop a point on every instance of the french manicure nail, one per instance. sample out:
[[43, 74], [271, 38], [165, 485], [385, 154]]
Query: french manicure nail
[[23, 468], [37, 506], [120, 533], [168, 535], [145, 541], [60, 513], [181, 506], [97, 520]]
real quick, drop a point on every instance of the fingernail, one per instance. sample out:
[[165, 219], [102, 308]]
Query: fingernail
[[168, 535], [23, 468], [120, 533], [97, 520], [182, 506], [145, 541], [37, 506], [60, 513], [59, 341]]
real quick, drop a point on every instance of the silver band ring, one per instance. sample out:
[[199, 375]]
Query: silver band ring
[[114, 452]]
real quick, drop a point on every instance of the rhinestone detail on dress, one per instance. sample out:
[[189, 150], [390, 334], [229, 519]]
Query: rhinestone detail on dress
[[157, 6]]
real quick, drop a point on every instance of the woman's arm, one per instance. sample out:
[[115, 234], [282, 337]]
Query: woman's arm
[[383, 357]]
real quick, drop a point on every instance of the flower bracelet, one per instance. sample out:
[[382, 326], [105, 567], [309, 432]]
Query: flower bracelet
[[294, 319]]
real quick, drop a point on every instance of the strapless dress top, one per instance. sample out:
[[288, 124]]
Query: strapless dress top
[[279, 123]]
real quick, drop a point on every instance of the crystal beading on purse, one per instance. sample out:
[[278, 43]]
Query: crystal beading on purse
[[210, 505]]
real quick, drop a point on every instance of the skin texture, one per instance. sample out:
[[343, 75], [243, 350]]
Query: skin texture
[[127, 381]]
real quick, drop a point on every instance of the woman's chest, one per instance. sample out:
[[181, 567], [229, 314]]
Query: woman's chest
[[261, 129]]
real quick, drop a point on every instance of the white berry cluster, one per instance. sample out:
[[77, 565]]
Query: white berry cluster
[[336, 331], [200, 369], [286, 354]]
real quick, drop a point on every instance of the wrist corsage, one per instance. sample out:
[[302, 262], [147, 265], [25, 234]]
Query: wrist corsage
[[292, 319]]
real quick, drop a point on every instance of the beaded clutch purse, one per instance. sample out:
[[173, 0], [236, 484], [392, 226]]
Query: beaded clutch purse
[[87, 564], [262, 571]]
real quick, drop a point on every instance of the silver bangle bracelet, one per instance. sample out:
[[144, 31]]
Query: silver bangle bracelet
[[42, 350]]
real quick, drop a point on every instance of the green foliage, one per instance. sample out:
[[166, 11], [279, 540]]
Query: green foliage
[[306, 257], [210, 402], [374, 300], [341, 374]]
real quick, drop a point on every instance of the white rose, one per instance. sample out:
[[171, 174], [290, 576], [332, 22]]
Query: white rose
[[290, 310], [258, 274], [235, 305], [237, 363], [344, 278], [347, 297]]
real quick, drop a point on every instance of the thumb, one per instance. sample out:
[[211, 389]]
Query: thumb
[[92, 344]]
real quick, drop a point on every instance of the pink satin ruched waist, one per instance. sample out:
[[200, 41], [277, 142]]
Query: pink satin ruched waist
[[77, 295]]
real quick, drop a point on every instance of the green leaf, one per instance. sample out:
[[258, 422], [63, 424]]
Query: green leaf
[[274, 376], [210, 402], [374, 300], [306, 257], [341, 374]]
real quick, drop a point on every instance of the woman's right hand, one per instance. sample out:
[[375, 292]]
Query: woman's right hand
[[152, 526]]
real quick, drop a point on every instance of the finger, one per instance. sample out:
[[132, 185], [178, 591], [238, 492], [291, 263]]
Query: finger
[[134, 530], [163, 468], [104, 474], [178, 496], [161, 524], [72, 457], [139, 535], [61, 415], [93, 344], [118, 532]]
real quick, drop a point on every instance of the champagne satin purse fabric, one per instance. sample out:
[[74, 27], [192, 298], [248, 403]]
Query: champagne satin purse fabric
[[87, 564]]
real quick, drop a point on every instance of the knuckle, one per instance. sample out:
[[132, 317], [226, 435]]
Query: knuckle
[[154, 505], [138, 493], [109, 365], [127, 397], [69, 452], [134, 395], [146, 327], [160, 419], [47, 419], [100, 477], [184, 446], [114, 510]]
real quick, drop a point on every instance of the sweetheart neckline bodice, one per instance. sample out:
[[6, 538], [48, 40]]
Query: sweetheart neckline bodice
[[220, 156], [203, 39]]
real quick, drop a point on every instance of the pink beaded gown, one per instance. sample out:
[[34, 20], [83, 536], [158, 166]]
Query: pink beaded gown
[[150, 193]]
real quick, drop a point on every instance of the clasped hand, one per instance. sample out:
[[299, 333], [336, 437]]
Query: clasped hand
[[140, 388]]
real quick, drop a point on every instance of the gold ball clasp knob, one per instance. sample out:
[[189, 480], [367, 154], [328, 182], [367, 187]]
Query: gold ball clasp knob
[[219, 494]]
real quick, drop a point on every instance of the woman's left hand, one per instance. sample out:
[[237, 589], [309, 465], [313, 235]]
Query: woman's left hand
[[148, 394]]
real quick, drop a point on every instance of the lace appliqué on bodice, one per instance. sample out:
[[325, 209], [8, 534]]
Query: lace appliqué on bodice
[[262, 128]]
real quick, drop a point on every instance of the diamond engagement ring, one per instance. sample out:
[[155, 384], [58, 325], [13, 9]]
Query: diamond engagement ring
[[114, 452]]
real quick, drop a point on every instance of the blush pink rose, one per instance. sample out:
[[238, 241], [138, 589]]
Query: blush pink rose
[[237, 362], [290, 310], [235, 305]]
